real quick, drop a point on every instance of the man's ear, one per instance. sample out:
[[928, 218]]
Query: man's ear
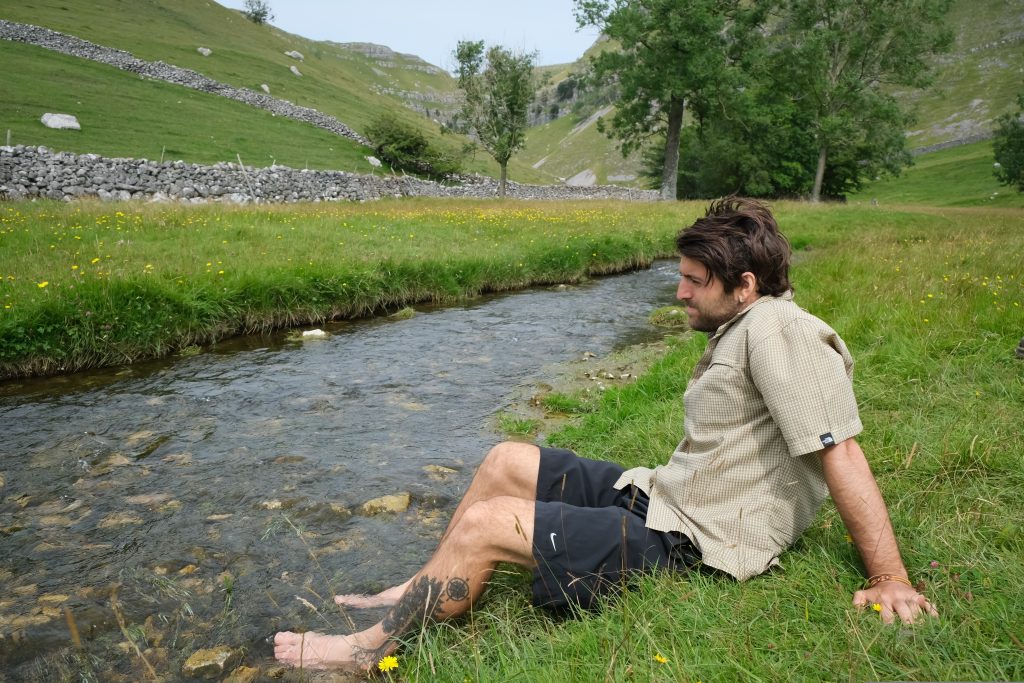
[[747, 289]]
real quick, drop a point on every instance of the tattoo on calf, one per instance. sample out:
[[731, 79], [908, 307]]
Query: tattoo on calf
[[422, 601], [457, 590]]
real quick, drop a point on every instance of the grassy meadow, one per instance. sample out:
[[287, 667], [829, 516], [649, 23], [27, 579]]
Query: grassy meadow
[[958, 176]]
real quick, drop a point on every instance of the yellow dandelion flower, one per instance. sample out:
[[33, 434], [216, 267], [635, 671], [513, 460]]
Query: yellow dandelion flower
[[42, 284], [388, 663], [876, 607], [660, 658]]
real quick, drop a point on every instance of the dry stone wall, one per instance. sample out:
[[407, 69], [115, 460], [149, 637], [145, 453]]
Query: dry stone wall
[[77, 47], [37, 172]]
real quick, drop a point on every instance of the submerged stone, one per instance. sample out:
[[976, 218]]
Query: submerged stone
[[211, 662], [438, 473], [243, 674], [398, 502]]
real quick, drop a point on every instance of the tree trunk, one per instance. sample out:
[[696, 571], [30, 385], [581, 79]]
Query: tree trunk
[[504, 177], [670, 173], [819, 175]]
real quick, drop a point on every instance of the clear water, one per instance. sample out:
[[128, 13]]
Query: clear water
[[211, 493]]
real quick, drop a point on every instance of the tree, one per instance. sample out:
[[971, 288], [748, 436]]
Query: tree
[[671, 54], [837, 57], [258, 11], [498, 88], [1008, 144]]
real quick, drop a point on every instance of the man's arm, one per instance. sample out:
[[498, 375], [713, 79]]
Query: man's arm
[[863, 511]]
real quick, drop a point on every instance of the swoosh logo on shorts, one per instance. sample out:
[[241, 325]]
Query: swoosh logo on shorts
[[553, 546]]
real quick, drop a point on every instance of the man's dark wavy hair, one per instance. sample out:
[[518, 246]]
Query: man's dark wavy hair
[[735, 236]]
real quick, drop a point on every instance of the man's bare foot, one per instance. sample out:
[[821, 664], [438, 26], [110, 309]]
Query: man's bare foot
[[319, 651], [385, 598]]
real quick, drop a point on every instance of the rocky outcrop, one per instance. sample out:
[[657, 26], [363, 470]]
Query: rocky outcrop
[[37, 172], [76, 47]]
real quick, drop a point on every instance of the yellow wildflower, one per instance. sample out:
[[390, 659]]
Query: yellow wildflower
[[660, 658], [877, 607], [388, 663], [42, 284]]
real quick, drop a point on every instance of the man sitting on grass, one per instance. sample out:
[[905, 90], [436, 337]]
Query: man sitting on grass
[[769, 433]]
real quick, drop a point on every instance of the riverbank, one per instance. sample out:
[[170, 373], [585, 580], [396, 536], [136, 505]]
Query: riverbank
[[90, 284], [930, 305]]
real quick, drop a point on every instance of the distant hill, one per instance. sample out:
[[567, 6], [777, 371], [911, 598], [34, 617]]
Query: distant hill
[[355, 82]]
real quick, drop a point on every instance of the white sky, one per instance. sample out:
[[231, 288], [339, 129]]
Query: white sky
[[431, 29]]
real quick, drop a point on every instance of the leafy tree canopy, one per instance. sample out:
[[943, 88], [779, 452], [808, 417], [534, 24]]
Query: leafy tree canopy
[[498, 86]]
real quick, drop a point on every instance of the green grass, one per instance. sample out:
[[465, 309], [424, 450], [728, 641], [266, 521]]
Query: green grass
[[152, 119], [959, 176], [930, 305], [91, 284]]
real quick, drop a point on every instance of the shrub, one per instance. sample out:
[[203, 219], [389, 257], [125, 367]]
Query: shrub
[[1008, 145], [405, 147]]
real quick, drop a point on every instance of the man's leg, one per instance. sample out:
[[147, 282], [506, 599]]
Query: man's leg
[[509, 469], [498, 529]]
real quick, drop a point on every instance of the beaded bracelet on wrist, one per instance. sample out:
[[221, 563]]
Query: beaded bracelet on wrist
[[879, 578]]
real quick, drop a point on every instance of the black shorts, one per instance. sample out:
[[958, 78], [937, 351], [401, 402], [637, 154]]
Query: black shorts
[[589, 537]]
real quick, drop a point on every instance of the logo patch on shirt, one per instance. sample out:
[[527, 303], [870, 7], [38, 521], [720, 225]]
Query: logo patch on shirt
[[827, 440]]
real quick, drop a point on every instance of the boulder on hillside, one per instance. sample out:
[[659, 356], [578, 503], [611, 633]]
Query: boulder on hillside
[[61, 121], [265, 88], [295, 54], [295, 71], [204, 51]]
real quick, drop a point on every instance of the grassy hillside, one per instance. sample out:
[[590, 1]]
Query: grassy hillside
[[960, 176], [152, 119], [979, 79], [976, 82], [571, 144], [341, 80]]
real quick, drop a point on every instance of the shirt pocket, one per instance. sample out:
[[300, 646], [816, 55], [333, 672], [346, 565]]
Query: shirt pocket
[[716, 403]]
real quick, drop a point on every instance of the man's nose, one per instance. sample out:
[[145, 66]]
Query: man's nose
[[683, 290]]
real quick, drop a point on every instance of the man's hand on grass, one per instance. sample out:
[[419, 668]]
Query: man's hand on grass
[[892, 599]]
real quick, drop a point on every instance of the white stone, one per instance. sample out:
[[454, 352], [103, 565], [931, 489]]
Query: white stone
[[204, 51], [265, 88], [314, 334], [295, 54], [374, 161], [60, 121], [295, 70]]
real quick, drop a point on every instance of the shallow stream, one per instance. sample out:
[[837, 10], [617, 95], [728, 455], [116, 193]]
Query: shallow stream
[[217, 498]]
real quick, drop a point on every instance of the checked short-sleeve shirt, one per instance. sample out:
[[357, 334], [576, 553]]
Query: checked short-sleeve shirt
[[772, 389]]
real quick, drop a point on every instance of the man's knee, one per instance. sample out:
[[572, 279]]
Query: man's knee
[[504, 521], [510, 457]]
